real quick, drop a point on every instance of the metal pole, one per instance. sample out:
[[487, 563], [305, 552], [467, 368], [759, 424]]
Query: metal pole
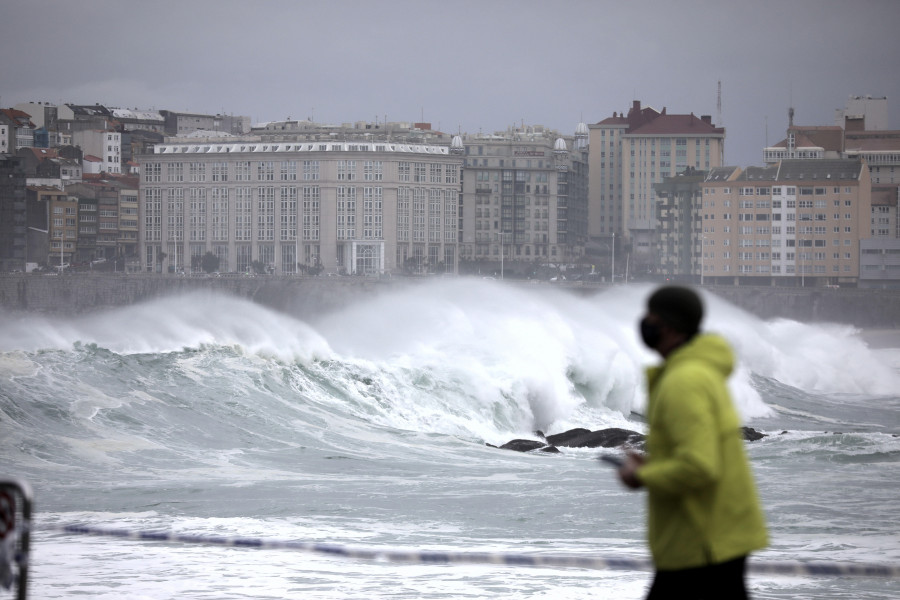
[[501, 256], [702, 255], [802, 263], [612, 275]]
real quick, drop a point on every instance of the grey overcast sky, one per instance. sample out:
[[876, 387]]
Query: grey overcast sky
[[463, 65]]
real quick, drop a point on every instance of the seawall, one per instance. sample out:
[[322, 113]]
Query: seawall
[[310, 296]]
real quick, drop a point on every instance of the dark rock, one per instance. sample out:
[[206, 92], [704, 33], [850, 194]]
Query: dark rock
[[560, 439], [751, 435], [603, 438], [523, 445], [550, 449]]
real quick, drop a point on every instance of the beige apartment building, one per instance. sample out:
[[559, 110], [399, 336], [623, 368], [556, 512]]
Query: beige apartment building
[[632, 153], [798, 222], [356, 206], [525, 196]]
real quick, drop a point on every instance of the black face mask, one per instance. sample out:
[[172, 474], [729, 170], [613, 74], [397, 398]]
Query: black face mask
[[650, 333]]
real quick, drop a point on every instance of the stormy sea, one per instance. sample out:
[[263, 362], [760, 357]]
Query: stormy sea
[[372, 426]]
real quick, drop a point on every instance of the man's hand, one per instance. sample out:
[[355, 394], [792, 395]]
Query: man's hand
[[628, 471]]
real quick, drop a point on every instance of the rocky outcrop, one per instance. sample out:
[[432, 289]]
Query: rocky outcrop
[[603, 438], [751, 435], [525, 445], [612, 437]]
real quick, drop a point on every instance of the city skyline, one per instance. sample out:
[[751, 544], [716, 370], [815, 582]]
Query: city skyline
[[463, 66]]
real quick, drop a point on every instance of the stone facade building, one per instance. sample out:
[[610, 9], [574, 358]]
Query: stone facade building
[[525, 196], [354, 206]]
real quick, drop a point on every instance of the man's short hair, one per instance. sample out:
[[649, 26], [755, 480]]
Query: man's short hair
[[679, 307]]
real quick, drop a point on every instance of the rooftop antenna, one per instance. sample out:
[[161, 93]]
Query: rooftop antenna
[[719, 105]]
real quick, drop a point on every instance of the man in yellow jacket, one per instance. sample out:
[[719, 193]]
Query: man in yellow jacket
[[704, 515]]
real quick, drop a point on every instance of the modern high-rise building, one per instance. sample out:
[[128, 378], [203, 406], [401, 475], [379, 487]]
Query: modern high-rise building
[[629, 155], [525, 196], [351, 205]]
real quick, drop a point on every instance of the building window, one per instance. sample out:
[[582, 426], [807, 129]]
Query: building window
[[265, 170], [242, 170], [310, 170], [197, 172], [175, 172], [346, 170], [373, 170], [265, 214], [152, 172], [311, 214], [220, 171], [419, 173], [289, 170]]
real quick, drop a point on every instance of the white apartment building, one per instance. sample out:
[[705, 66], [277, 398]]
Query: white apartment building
[[354, 207], [103, 144]]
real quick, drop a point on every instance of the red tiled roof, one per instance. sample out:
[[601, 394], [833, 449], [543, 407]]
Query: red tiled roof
[[800, 141], [14, 113], [42, 153], [17, 115], [649, 121], [816, 128], [872, 145], [92, 158], [676, 124], [614, 121]]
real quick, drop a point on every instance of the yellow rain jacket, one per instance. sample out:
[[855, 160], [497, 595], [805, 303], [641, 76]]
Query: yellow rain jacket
[[703, 506]]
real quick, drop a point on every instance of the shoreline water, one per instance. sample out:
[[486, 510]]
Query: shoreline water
[[230, 419]]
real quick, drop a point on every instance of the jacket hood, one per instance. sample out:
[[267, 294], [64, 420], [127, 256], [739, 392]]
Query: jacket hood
[[709, 348]]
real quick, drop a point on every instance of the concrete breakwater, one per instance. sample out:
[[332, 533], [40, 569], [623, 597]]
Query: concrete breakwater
[[307, 297], [80, 294]]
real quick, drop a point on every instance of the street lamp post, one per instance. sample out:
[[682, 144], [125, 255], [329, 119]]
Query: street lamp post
[[500, 235], [612, 266]]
